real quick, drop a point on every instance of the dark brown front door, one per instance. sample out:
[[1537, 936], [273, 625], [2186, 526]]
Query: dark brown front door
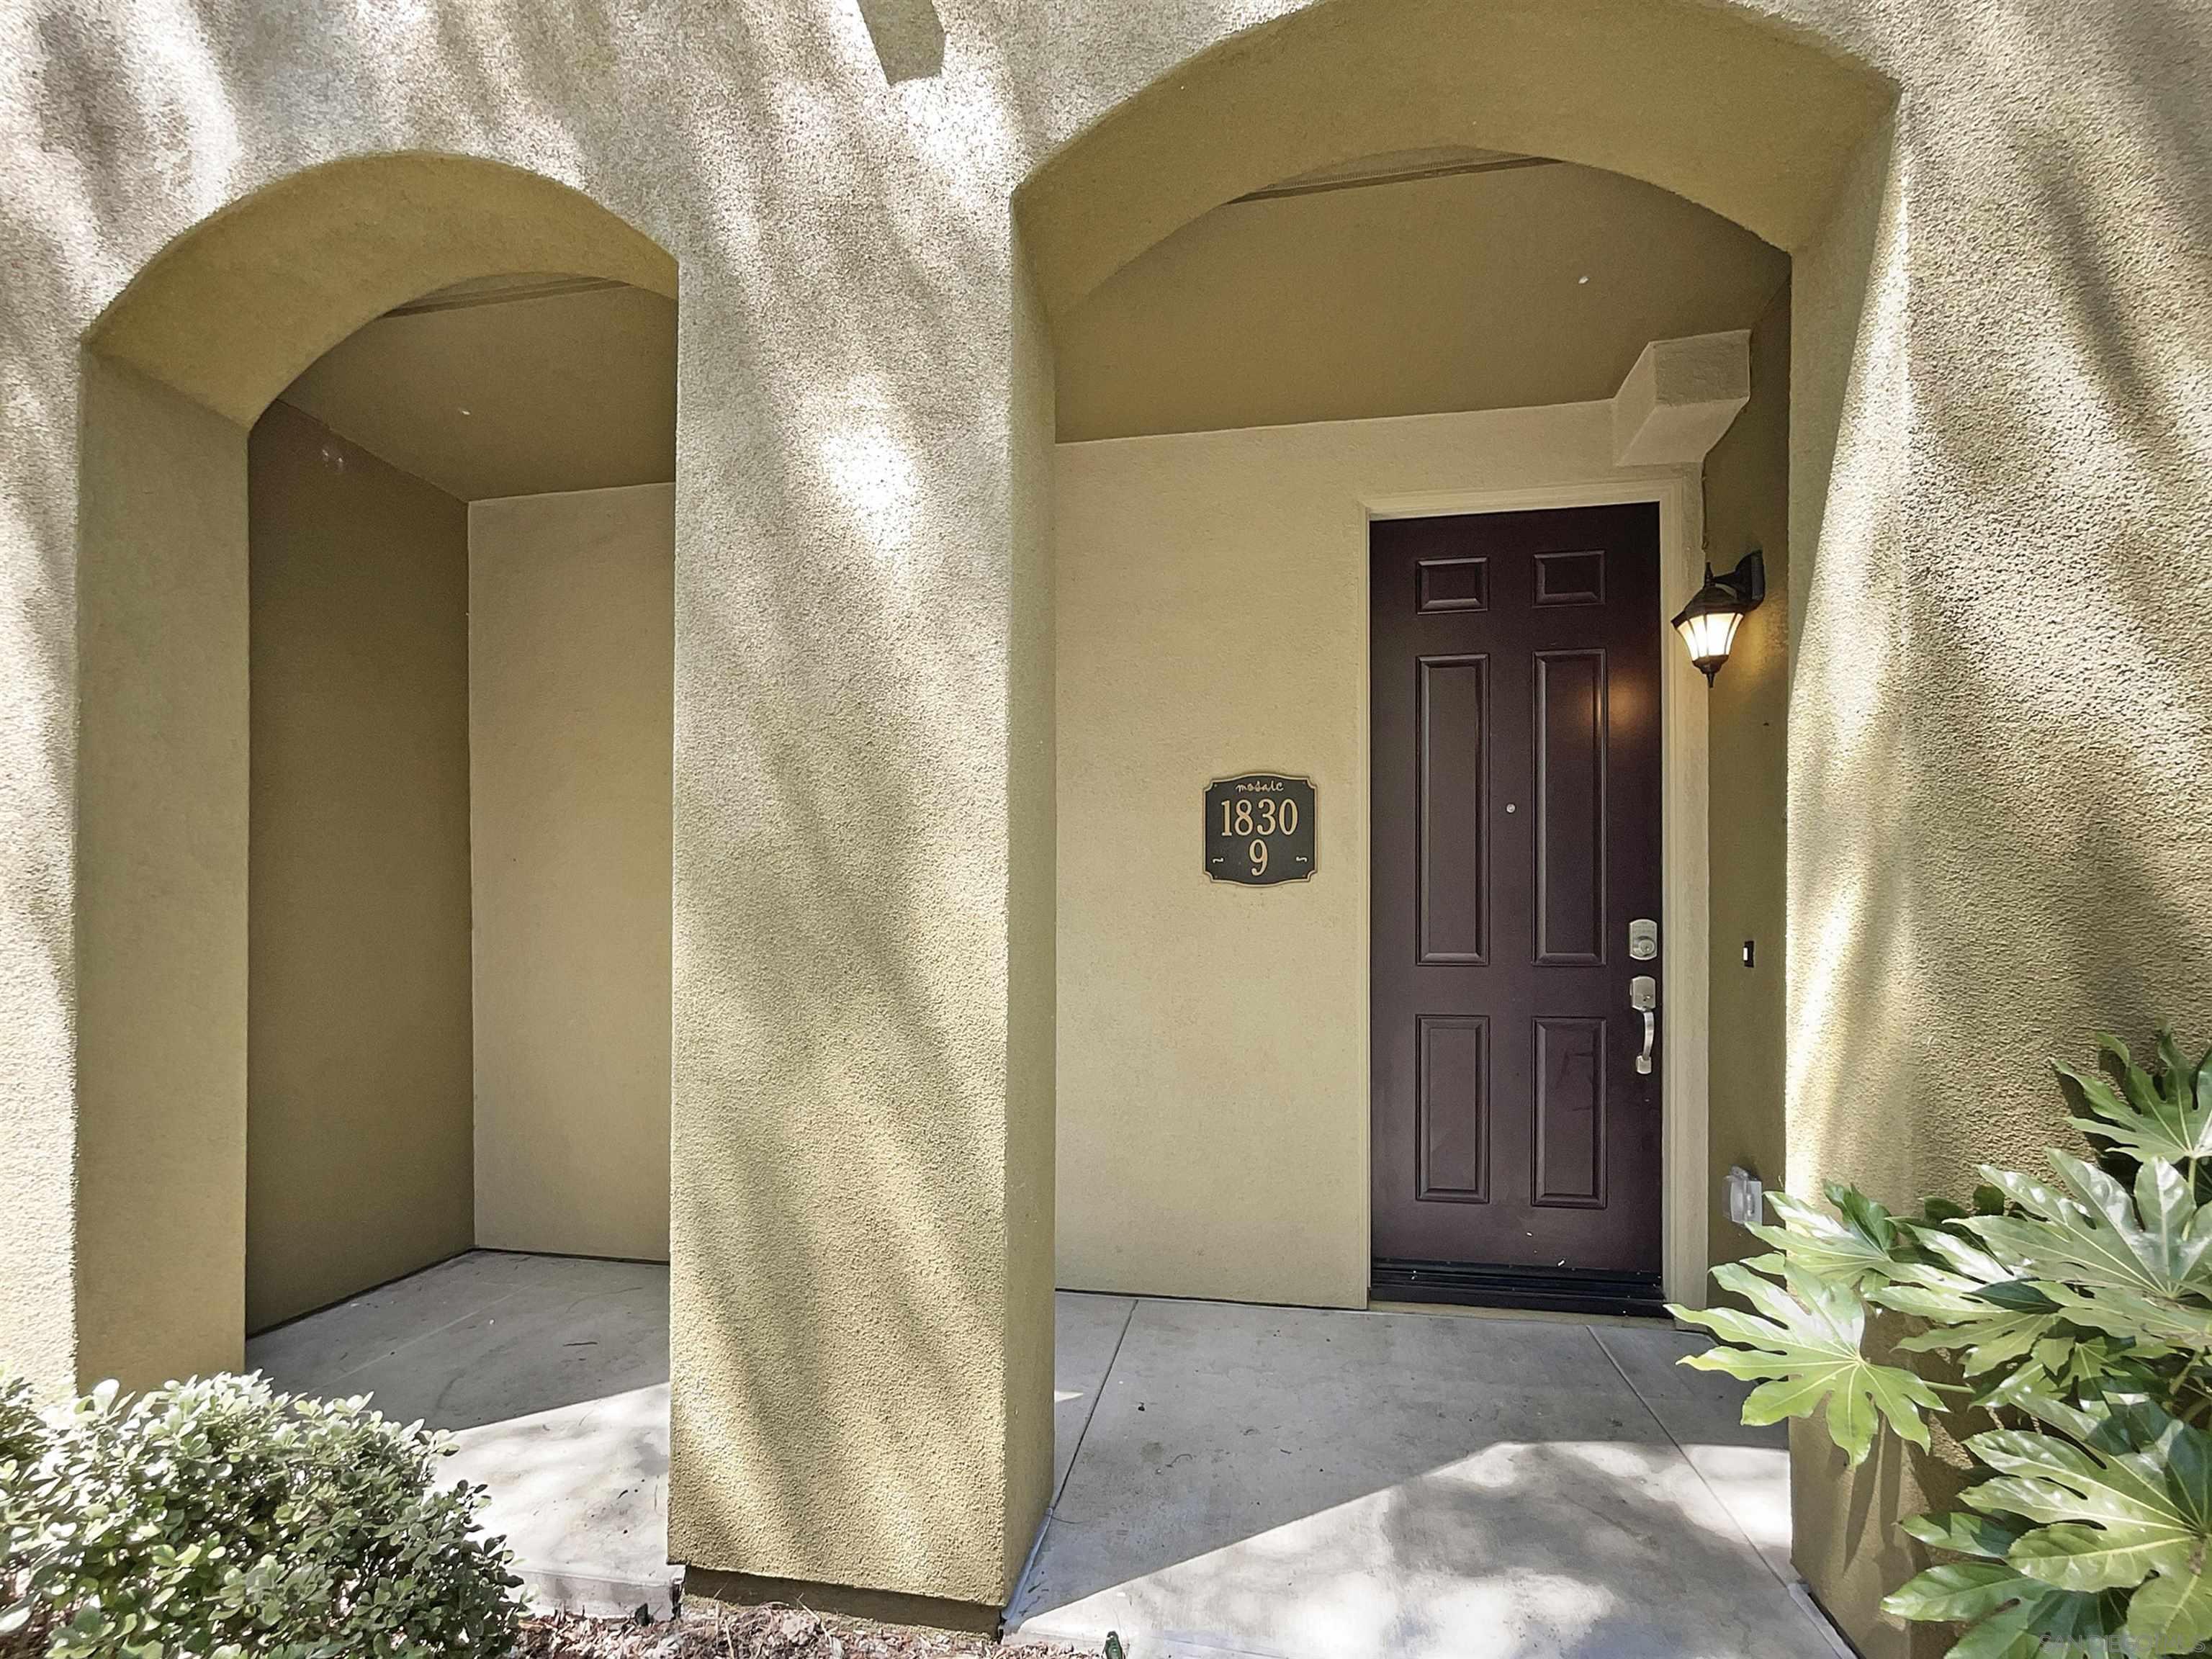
[[1516, 694]]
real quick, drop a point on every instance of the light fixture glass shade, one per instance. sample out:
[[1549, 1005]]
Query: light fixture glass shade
[[1711, 635], [1709, 622]]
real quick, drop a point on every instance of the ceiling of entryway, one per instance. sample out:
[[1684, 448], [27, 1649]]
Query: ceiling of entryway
[[1412, 284], [514, 385]]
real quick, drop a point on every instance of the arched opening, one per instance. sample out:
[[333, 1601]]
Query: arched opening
[[1367, 298], [460, 545], [1238, 397], [377, 659]]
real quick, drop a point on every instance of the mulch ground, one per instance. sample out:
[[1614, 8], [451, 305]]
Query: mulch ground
[[770, 1633]]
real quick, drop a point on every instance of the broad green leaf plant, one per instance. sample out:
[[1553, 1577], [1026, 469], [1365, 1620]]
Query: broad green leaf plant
[[2078, 1312]]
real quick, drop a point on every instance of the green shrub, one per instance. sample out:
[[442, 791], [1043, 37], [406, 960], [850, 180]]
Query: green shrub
[[22, 1444], [214, 1519], [23, 1435], [2079, 1313]]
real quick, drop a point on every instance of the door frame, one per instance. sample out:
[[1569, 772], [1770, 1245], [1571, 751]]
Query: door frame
[[1685, 976]]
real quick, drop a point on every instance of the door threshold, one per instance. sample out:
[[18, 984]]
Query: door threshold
[[1551, 1290]]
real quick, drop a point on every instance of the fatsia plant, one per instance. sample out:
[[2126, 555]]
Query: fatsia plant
[[2076, 1313]]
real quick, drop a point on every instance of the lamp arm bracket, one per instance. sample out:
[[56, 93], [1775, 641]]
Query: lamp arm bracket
[[1748, 579]]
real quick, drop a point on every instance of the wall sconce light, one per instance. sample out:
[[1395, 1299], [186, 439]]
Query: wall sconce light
[[1709, 622]]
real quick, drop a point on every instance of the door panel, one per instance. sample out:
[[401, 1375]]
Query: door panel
[[1453, 1100], [1569, 579], [1570, 1112], [1516, 816], [1570, 807], [1453, 584], [1454, 701]]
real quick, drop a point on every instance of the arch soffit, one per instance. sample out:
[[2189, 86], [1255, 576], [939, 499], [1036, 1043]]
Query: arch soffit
[[230, 311], [1733, 112]]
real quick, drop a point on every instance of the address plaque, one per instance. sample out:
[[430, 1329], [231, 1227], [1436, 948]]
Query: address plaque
[[1259, 828]]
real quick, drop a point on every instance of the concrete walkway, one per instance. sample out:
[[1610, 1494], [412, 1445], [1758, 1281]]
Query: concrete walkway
[[1309, 1485], [1229, 1480]]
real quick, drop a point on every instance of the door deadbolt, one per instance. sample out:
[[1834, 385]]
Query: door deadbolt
[[1642, 939]]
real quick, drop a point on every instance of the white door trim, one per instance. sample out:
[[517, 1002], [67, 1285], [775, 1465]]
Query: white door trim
[[1685, 853]]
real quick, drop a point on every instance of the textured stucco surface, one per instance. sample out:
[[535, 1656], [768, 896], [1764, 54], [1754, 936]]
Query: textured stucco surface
[[319, 254], [162, 763], [1632, 88], [1999, 700], [1747, 506], [357, 953], [1031, 986], [571, 651], [1681, 397], [1213, 620], [157, 603], [2000, 709]]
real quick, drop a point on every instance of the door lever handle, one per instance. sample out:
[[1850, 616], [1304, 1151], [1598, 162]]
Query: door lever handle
[[1644, 997]]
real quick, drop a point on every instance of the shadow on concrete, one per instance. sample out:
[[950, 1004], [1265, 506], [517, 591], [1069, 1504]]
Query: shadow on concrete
[[552, 1373], [487, 1338], [1281, 1481]]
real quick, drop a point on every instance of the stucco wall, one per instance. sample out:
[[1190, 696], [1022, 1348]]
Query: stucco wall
[[1991, 832], [570, 680], [1855, 1000], [357, 1166], [159, 965], [2004, 353], [486, 394], [1212, 619], [865, 1075], [1032, 900], [1747, 506]]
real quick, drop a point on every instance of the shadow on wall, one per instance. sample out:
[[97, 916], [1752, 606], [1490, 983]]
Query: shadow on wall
[[2085, 701], [2012, 874], [769, 825], [174, 371], [1854, 891], [811, 792], [2025, 870]]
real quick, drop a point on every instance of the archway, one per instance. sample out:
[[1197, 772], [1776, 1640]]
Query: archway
[[1761, 125], [176, 371], [1764, 128], [1738, 114]]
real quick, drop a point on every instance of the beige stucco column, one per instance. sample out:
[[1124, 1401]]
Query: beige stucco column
[[2001, 718], [862, 1107], [862, 1140]]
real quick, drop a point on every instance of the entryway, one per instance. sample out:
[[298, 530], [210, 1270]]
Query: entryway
[[1515, 914]]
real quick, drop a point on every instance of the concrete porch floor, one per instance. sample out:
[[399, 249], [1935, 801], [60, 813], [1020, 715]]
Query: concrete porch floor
[[1231, 1482], [552, 1373]]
